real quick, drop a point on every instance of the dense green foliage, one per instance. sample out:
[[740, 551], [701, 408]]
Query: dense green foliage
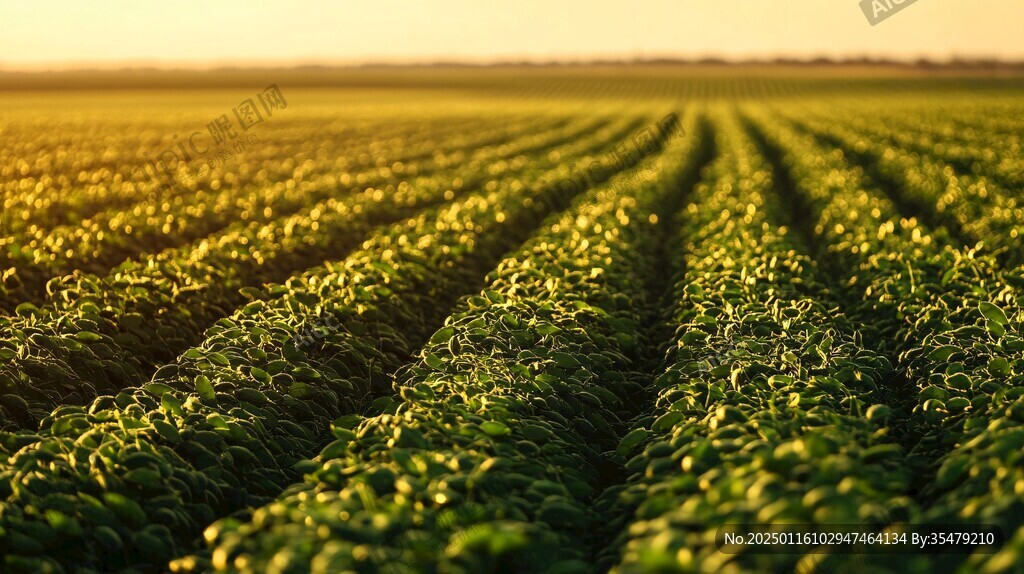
[[578, 330]]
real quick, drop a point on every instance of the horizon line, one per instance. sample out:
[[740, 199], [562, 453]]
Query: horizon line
[[953, 61]]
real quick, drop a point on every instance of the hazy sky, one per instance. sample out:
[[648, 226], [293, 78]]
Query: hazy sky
[[56, 33]]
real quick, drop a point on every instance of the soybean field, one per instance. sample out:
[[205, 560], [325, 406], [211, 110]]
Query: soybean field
[[557, 321]]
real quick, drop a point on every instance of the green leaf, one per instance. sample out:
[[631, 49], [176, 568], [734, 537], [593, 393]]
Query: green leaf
[[546, 329], [942, 353], [535, 432], [995, 328], [250, 292], [299, 390], [953, 471], [343, 434], [959, 381], [696, 291], [667, 421], [605, 395], [126, 508], [442, 335], [305, 466], [7, 354], [383, 404], [387, 269], [157, 389], [218, 359], [261, 375], [948, 275], [957, 404], [879, 412], [999, 367], [216, 421], [565, 360], [494, 428], [171, 403], [88, 337], [334, 450], [205, 388], [993, 313], [933, 392], [143, 476], [693, 336], [168, 431], [64, 524], [881, 452], [631, 440], [306, 372], [347, 421]]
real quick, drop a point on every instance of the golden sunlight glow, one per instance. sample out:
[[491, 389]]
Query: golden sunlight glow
[[66, 33]]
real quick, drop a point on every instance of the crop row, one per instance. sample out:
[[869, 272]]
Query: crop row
[[951, 318], [979, 137], [132, 480], [976, 208], [101, 334], [64, 178], [155, 223], [489, 460], [64, 174], [150, 307], [769, 409]]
